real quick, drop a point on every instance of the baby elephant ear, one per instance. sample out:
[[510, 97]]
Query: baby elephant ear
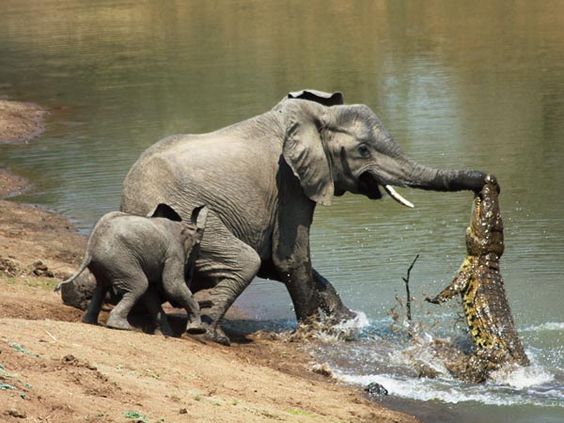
[[199, 217], [164, 210], [305, 154]]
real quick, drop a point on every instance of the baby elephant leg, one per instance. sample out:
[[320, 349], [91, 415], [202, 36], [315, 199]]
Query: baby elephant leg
[[95, 305], [176, 290], [133, 287], [152, 302]]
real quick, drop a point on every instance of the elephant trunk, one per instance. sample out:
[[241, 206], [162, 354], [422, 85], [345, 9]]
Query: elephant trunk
[[423, 177]]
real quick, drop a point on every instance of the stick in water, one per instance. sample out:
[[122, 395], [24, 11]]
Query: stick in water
[[406, 280]]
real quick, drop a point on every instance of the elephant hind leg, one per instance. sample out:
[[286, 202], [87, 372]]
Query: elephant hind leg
[[134, 286], [95, 305], [230, 265]]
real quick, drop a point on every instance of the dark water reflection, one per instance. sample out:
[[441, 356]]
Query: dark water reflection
[[459, 84]]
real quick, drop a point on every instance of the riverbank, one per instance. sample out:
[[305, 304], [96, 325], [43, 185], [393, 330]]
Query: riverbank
[[54, 368]]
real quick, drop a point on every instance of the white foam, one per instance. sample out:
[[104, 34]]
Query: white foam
[[418, 389], [360, 321], [449, 391], [395, 358], [547, 326], [344, 331], [521, 377]]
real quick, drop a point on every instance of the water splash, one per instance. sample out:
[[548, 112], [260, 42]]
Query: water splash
[[547, 326], [328, 333], [521, 377], [452, 392], [393, 357]]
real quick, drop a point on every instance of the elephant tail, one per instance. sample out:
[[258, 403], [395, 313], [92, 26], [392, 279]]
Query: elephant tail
[[83, 266], [89, 248]]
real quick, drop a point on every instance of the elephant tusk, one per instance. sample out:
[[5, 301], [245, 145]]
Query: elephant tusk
[[396, 196]]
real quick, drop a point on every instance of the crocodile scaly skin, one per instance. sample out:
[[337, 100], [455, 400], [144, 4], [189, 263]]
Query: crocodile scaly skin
[[480, 283]]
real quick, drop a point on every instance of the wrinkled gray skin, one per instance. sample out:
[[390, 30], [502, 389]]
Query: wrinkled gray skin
[[262, 179], [143, 259]]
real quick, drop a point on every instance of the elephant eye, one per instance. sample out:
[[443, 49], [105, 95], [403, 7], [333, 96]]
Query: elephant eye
[[363, 150]]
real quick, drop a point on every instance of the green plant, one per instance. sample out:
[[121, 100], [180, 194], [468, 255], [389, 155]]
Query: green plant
[[21, 349], [136, 416]]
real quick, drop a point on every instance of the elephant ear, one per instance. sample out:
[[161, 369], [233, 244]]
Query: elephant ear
[[164, 210], [199, 217], [321, 97], [304, 152]]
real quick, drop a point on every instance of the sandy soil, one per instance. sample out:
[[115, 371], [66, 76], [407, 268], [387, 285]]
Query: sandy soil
[[55, 369], [20, 122], [11, 184]]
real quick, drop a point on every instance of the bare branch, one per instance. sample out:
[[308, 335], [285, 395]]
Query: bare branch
[[407, 291]]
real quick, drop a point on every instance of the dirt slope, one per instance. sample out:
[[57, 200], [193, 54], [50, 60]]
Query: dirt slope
[[55, 369]]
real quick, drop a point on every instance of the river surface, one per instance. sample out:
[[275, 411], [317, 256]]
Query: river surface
[[459, 84]]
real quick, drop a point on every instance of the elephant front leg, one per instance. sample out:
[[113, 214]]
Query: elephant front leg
[[329, 301], [310, 292], [305, 298], [175, 289]]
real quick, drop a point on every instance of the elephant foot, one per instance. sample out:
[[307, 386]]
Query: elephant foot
[[164, 331], [216, 335], [89, 320], [196, 329], [341, 315], [195, 326], [212, 332], [117, 323], [212, 311], [329, 301]]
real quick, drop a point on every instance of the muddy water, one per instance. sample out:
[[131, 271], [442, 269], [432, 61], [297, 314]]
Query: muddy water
[[477, 84]]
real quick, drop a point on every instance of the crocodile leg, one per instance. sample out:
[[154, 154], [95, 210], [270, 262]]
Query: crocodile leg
[[458, 284]]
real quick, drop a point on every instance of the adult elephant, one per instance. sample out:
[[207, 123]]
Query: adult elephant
[[261, 179]]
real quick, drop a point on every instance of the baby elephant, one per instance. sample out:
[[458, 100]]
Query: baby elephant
[[143, 258]]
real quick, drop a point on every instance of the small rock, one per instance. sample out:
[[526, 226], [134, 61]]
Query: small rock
[[41, 269], [39, 265], [9, 267], [16, 413], [322, 369], [183, 411], [69, 358], [376, 391]]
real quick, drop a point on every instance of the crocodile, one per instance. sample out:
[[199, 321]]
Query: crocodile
[[481, 286]]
